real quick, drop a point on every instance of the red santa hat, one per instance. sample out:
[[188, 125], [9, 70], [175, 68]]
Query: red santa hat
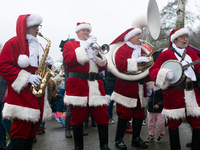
[[128, 34], [83, 25], [23, 22], [175, 33]]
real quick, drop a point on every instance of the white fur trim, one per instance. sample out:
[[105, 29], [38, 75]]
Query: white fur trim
[[33, 19], [47, 113], [132, 33], [174, 113], [132, 65], [192, 106], [99, 61], [143, 100], [23, 61], [95, 97], [83, 26], [123, 100], [81, 55], [22, 113], [150, 85], [93, 66], [179, 33], [160, 80], [21, 81], [76, 100], [99, 100]]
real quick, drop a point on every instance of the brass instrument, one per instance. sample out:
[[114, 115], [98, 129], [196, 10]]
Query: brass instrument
[[43, 71], [148, 17], [104, 49], [145, 65]]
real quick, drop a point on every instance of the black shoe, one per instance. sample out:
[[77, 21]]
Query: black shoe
[[120, 145], [41, 131], [138, 142], [189, 144], [105, 147], [34, 140]]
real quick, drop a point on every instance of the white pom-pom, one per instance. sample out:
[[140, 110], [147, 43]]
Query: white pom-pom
[[23, 61]]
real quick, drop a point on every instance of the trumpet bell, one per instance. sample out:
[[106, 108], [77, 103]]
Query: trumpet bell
[[104, 48]]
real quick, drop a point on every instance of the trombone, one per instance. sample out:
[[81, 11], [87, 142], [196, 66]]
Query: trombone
[[104, 49]]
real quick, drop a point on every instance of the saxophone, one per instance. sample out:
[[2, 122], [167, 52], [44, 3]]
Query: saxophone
[[43, 71]]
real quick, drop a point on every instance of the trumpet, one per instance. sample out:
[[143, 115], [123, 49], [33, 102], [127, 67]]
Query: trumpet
[[104, 49]]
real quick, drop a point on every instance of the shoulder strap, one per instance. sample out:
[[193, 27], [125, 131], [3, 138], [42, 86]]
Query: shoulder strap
[[184, 53]]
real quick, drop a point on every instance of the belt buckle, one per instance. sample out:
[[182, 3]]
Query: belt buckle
[[189, 86], [92, 76]]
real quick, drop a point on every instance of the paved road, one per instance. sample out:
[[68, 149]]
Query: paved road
[[54, 138]]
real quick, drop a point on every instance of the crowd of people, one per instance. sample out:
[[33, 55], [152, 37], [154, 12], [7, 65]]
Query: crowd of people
[[85, 87]]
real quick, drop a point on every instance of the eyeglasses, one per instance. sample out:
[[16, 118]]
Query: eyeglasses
[[36, 26], [184, 36]]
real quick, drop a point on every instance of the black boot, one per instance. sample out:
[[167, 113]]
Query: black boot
[[174, 139], [78, 137], [17, 144], [121, 126], [196, 139], [136, 140], [103, 136], [28, 144]]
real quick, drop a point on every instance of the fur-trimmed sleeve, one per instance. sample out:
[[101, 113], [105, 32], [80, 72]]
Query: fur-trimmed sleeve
[[21, 81], [132, 65], [161, 78], [81, 55]]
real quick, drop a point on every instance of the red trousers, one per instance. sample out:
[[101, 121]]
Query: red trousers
[[129, 113], [193, 121], [79, 114], [24, 129]]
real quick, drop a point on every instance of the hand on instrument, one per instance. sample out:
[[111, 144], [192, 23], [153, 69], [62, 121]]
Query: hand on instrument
[[34, 79], [170, 75], [143, 59], [48, 60], [90, 41]]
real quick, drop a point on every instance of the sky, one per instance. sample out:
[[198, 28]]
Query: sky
[[108, 18]]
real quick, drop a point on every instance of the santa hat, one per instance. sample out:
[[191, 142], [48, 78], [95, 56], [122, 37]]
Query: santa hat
[[33, 19], [83, 25], [175, 33], [23, 22], [128, 34]]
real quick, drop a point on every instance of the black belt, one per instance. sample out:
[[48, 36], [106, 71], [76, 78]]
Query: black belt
[[189, 85], [89, 76]]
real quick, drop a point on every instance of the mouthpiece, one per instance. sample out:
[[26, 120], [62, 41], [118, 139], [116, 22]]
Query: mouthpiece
[[39, 33]]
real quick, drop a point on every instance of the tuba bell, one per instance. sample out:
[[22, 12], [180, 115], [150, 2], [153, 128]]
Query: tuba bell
[[150, 18]]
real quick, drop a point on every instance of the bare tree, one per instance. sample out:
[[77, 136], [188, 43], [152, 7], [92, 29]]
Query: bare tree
[[180, 14]]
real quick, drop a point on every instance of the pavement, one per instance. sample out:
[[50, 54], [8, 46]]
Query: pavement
[[54, 137]]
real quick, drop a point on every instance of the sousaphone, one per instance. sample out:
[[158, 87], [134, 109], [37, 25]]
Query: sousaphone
[[149, 18]]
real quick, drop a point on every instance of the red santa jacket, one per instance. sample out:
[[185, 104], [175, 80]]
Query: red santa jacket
[[20, 103], [128, 92], [80, 92], [176, 100]]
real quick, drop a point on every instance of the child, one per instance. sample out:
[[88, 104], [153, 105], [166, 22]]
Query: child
[[155, 107]]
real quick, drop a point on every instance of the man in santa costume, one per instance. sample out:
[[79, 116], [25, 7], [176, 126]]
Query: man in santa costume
[[84, 87], [181, 100], [130, 96], [19, 60]]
